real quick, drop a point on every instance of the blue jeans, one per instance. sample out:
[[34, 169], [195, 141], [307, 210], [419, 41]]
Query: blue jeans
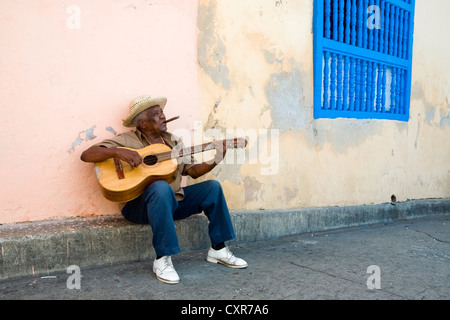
[[158, 207]]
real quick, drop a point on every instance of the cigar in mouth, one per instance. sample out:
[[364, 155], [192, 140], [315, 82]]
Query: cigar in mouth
[[171, 119]]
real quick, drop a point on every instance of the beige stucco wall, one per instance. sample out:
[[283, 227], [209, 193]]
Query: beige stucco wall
[[233, 66], [256, 71]]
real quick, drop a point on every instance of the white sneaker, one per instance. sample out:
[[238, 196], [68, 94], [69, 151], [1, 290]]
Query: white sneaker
[[164, 270], [225, 257]]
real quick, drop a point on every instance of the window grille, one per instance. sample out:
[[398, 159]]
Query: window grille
[[363, 58]]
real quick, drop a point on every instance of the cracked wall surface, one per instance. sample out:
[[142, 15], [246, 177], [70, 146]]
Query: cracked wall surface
[[256, 59], [237, 67]]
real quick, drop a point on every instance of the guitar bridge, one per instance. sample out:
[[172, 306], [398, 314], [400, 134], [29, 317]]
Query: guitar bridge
[[119, 168]]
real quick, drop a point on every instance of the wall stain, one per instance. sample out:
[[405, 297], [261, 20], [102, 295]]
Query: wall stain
[[290, 194], [431, 108], [445, 120], [284, 92], [211, 48], [86, 135], [290, 96], [253, 191], [445, 116], [111, 129]]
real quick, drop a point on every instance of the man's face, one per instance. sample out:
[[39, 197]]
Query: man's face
[[155, 120]]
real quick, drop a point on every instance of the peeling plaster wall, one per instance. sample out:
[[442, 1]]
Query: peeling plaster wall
[[65, 88], [227, 65], [256, 71]]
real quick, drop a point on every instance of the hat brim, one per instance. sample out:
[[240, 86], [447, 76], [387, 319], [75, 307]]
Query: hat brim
[[142, 106]]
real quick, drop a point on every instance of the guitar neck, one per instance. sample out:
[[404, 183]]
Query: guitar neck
[[195, 149], [231, 143]]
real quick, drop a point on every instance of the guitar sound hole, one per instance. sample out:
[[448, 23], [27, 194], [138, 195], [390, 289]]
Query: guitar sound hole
[[150, 160]]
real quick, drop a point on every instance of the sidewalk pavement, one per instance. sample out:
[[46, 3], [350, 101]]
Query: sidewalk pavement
[[401, 260], [45, 247]]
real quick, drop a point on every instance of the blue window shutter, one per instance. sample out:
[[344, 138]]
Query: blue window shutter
[[363, 58]]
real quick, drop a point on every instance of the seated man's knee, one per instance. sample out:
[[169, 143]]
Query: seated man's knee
[[213, 184], [158, 188]]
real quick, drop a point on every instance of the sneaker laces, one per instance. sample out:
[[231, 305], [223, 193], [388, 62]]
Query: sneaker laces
[[229, 255], [166, 263]]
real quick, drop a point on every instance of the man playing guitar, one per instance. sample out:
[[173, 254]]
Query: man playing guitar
[[162, 203]]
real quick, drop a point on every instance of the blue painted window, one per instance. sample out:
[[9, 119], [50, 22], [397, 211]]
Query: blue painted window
[[363, 58]]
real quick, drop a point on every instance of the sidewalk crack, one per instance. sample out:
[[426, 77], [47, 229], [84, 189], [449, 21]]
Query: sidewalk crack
[[342, 278], [434, 238]]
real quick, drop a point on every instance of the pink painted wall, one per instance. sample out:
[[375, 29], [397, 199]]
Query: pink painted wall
[[68, 70]]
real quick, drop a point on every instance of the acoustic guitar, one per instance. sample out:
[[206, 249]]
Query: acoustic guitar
[[119, 182]]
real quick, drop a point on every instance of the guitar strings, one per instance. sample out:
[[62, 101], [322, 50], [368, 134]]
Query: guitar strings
[[163, 156]]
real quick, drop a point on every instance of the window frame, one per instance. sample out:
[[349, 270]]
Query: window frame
[[341, 51]]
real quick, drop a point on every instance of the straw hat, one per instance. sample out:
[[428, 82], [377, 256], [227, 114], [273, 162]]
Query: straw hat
[[140, 104]]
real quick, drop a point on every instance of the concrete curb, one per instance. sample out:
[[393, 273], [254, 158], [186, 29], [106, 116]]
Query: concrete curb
[[43, 247]]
